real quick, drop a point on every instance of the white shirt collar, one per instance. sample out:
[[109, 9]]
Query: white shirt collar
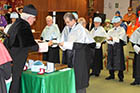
[[74, 25]]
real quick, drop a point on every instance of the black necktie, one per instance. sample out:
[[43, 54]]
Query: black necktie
[[95, 29], [69, 30]]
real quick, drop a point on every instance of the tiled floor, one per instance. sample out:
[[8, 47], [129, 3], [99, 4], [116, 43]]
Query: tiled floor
[[100, 85]]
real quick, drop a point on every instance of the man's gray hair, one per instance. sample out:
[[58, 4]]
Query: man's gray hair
[[70, 16], [25, 16]]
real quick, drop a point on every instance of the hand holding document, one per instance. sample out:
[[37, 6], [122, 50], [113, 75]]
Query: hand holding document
[[99, 39], [54, 43], [43, 46], [50, 43]]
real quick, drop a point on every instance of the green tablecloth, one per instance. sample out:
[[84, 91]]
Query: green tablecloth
[[56, 82]]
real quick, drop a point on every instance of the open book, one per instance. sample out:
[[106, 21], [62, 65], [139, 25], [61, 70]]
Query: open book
[[99, 39]]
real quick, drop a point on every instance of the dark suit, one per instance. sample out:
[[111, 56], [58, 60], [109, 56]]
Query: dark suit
[[87, 26]]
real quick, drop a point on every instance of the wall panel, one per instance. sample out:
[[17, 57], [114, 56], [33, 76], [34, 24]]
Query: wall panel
[[110, 7], [69, 5], [45, 6]]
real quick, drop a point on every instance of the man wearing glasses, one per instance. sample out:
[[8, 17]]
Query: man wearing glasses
[[20, 42], [129, 16]]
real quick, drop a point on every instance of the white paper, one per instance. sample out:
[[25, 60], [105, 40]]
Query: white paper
[[31, 62], [65, 69], [43, 47], [98, 45], [116, 39], [50, 67], [137, 49], [36, 68], [68, 45]]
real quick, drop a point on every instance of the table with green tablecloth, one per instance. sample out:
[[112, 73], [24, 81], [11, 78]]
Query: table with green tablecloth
[[57, 82]]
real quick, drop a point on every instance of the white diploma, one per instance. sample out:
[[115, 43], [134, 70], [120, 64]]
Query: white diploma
[[43, 47]]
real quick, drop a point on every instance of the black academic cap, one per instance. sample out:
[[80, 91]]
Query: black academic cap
[[8, 7], [20, 8], [30, 9]]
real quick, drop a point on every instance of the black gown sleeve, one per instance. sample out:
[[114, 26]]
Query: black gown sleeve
[[92, 45], [33, 48], [25, 37], [122, 42]]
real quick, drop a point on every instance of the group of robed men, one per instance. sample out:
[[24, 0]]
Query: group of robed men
[[81, 50]]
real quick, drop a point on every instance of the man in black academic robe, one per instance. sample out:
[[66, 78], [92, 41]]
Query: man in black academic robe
[[115, 60], [80, 61], [19, 43], [75, 41], [98, 30], [51, 33], [135, 39]]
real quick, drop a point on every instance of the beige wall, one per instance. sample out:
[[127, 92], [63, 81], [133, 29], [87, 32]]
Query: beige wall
[[109, 7]]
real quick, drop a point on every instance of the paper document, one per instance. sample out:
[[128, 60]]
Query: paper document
[[65, 69], [50, 67], [43, 47]]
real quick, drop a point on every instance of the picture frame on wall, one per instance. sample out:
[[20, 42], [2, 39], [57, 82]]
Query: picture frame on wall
[[90, 6], [116, 5]]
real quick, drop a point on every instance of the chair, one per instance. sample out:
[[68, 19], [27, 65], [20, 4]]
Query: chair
[[130, 57]]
